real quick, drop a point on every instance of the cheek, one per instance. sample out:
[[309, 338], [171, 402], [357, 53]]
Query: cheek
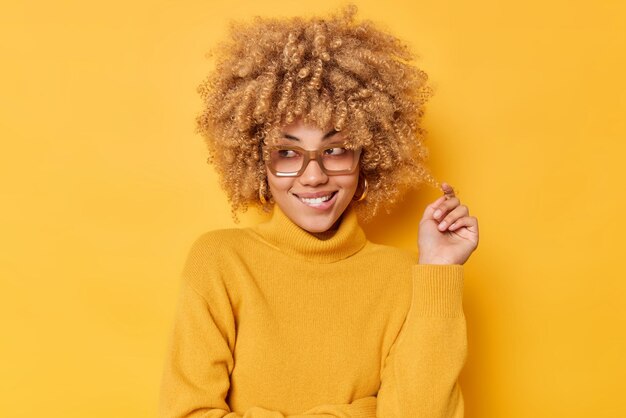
[[348, 183], [351, 182], [278, 184]]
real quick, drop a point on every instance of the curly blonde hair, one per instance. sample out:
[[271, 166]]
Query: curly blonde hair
[[328, 72]]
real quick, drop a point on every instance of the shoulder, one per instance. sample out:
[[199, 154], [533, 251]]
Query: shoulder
[[209, 253], [218, 246], [216, 239]]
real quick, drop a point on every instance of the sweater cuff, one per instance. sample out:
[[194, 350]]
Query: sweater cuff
[[438, 290]]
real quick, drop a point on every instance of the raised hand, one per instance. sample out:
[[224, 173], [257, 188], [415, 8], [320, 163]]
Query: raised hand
[[447, 234]]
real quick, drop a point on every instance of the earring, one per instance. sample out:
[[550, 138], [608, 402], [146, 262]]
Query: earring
[[364, 193]]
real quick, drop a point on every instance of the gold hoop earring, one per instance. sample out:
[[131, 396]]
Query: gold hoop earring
[[364, 193]]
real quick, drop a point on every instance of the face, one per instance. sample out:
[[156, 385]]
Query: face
[[301, 198]]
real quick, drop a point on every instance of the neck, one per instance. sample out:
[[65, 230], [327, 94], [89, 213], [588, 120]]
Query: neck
[[342, 240]]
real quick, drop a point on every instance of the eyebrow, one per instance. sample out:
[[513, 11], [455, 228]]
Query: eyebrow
[[328, 135]]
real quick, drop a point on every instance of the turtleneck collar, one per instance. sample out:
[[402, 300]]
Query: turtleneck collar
[[282, 233]]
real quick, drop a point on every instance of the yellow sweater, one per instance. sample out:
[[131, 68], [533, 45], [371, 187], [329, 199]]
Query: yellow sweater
[[274, 322]]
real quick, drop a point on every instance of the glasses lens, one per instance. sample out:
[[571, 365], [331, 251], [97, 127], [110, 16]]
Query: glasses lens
[[338, 158], [286, 160]]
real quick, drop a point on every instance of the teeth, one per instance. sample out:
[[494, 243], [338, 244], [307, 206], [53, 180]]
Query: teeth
[[317, 200]]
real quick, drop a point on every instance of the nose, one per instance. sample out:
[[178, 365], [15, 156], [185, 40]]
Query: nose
[[313, 174]]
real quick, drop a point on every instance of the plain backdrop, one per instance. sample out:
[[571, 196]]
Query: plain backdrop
[[104, 186]]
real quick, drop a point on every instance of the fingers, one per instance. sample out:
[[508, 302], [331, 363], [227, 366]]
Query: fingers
[[447, 190], [470, 222], [448, 209], [451, 218], [428, 212], [444, 207]]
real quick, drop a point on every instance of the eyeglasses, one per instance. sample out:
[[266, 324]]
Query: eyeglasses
[[291, 161]]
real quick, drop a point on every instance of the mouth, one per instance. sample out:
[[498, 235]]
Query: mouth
[[322, 200]]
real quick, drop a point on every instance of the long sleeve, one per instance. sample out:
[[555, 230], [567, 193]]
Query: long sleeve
[[199, 361], [420, 374]]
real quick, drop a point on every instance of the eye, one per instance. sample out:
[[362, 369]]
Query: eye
[[334, 151], [287, 153]]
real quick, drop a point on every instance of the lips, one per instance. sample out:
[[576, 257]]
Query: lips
[[315, 195]]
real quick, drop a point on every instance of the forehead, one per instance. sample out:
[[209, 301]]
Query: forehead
[[309, 129], [300, 133]]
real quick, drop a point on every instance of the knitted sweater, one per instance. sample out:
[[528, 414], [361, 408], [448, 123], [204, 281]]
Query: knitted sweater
[[274, 322]]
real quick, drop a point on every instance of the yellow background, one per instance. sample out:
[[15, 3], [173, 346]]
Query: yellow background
[[105, 185]]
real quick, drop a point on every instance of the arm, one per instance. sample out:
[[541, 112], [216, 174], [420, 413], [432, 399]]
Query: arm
[[420, 374], [199, 361]]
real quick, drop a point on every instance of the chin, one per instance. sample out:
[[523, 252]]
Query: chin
[[317, 229], [318, 218], [320, 223], [315, 226]]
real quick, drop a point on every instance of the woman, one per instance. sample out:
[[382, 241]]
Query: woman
[[317, 121]]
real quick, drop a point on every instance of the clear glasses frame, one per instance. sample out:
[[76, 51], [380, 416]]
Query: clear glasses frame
[[310, 155]]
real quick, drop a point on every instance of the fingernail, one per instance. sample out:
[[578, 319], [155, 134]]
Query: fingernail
[[442, 225], [437, 213]]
